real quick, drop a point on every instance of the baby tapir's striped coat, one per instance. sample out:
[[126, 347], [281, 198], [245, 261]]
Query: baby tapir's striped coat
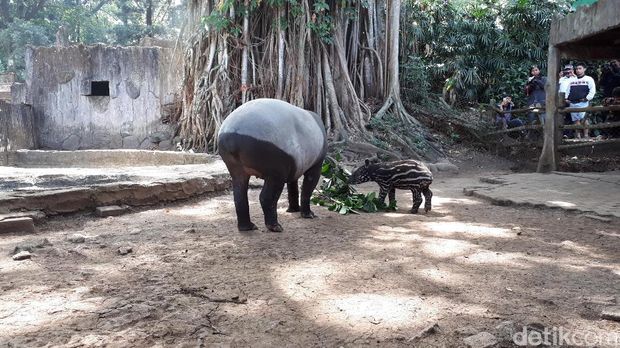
[[405, 175]]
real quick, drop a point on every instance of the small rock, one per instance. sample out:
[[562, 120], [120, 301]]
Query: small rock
[[468, 192], [31, 245], [480, 340], [189, 230], [22, 255], [111, 210], [466, 331], [429, 330], [125, 250], [447, 167], [596, 217], [506, 330], [611, 313], [76, 238]]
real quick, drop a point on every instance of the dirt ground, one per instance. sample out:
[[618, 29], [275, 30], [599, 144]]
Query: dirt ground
[[385, 279]]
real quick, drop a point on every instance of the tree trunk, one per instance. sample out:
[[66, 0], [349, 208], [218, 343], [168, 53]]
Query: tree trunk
[[149, 16], [321, 59], [244, 55]]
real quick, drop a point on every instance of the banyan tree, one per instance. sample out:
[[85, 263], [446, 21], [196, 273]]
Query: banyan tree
[[337, 58]]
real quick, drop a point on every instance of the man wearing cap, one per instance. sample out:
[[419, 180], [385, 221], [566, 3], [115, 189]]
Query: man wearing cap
[[565, 76], [581, 90]]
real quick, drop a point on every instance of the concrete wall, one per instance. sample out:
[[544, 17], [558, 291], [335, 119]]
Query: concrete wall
[[142, 80], [6, 80], [102, 158], [17, 129]]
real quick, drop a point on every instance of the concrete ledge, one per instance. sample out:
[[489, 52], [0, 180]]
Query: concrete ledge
[[100, 158], [88, 198], [17, 225], [590, 193]]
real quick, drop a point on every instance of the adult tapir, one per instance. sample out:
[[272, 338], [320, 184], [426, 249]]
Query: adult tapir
[[278, 142]]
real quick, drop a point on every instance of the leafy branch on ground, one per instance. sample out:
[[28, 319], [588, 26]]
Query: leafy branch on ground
[[337, 195]]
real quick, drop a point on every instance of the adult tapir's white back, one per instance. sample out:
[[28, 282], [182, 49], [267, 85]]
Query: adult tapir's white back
[[297, 132]]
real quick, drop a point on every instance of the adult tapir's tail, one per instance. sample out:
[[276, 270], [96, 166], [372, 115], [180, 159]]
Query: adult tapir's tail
[[227, 146]]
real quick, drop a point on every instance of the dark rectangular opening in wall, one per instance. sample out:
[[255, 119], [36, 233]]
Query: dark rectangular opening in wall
[[100, 88]]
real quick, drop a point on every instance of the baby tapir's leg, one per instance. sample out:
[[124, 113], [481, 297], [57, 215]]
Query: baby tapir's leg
[[428, 195], [417, 200], [392, 196], [384, 189]]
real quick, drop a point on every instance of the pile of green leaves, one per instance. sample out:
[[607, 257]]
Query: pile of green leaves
[[337, 195]]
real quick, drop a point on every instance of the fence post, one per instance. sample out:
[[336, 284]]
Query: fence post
[[549, 157]]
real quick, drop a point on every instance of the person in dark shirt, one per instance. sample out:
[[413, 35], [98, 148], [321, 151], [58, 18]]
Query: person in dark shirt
[[504, 120], [610, 77], [612, 116], [535, 91]]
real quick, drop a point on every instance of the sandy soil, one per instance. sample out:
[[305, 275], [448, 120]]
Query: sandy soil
[[359, 280]]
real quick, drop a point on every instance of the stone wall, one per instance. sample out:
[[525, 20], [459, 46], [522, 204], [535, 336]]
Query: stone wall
[[6, 80], [17, 129], [102, 97]]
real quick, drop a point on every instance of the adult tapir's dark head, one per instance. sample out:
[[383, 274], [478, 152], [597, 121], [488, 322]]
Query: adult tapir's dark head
[[276, 141]]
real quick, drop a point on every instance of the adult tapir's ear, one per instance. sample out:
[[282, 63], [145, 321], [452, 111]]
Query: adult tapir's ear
[[367, 162]]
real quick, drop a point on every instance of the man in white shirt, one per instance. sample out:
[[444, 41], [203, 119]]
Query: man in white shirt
[[581, 90]]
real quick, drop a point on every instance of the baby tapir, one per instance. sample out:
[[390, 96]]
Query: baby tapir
[[405, 175]]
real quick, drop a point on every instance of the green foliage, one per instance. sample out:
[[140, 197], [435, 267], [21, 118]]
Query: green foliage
[[416, 84], [322, 22], [13, 42], [117, 22], [337, 195], [477, 49]]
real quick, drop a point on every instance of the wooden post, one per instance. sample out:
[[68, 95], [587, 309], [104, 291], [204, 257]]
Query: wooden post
[[549, 157]]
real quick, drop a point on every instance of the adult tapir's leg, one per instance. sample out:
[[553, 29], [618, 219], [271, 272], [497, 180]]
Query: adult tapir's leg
[[240, 193], [293, 196], [269, 196], [311, 178], [240, 181]]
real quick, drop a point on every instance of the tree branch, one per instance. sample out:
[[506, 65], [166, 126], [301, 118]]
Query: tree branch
[[99, 6]]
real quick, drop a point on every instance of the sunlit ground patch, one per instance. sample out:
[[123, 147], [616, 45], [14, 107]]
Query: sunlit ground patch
[[363, 308], [24, 312], [317, 288], [562, 204], [441, 276], [446, 248], [439, 201], [206, 209], [454, 227], [488, 257]]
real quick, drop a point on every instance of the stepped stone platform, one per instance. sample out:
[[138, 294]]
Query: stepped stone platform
[[52, 182], [594, 193]]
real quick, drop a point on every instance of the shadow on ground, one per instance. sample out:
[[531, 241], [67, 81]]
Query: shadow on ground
[[373, 279]]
